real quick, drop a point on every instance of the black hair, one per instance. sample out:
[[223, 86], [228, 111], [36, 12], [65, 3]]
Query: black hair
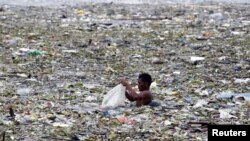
[[145, 77]]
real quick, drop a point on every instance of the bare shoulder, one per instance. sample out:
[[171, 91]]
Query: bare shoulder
[[148, 93]]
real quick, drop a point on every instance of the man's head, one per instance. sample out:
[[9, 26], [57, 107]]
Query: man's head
[[144, 81]]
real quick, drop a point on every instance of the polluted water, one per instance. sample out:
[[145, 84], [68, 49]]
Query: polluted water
[[59, 59]]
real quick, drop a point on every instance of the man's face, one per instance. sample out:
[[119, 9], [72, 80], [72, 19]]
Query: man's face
[[141, 85]]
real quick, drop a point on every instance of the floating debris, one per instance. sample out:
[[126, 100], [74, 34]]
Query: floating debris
[[58, 65]]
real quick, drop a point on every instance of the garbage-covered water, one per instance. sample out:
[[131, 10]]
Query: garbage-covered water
[[79, 2], [56, 65]]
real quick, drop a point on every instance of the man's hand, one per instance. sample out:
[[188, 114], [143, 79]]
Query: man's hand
[[124, 82]]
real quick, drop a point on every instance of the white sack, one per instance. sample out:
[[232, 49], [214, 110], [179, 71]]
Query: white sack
[[115, 97]]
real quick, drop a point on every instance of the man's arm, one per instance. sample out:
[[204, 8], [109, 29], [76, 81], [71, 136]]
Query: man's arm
[[141, 96], [130, 98], [132, 93]]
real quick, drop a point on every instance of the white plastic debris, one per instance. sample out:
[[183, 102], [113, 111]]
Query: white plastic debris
[[12, 137], [23, 91], [195, 58], [137, 56], [224, 81], [167, 122], [109, 69], [177, 72], [58, 124], [217, 16], [226, 25], [70, 51], [224, 114], [22, 52], [153, 85], [12, 42], [156, 60], [22, 75], [237, 33], [229, 94], [245, 22], [241, 81], [64, 25], [90, 98], [24, 119], [223, 58], [1, 84], [90, 86], [202, 92], [200, 103], [5, 122], [24, 49]]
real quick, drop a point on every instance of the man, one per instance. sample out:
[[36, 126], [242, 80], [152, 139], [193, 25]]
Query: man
[[144, 97]]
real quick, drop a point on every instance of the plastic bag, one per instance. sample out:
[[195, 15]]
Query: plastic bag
[[115, 97]]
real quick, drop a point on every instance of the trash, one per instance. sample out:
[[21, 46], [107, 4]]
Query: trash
[[90, 86], [22, 52], [23, 91], [226, 25], [85, 107], [167, 123], [5, 122], [154, 103], [12, 114], [188, 99], [240, 81], [115, 97], [75, 138], [58, 60], [109, 69], [58, 124], [107, 24], [248, 109], [200, 103], [231, 94], [237, 33], [237, 68], [153, 85], [49, 104], [245, 23], [63, 16], [195, 58], [122, 119], [22, 75], [70, 51], [35, 52], [156, 60], [12, 42], [90, 99], [1, 9], [80, 12], [202, 92], [217, 16], [137, 56], [25, 119], [224, 114], [177, 72]]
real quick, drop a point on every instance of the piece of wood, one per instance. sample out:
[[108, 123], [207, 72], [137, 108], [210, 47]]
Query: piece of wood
[[12, 114], [4, 133], [203, 123]]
